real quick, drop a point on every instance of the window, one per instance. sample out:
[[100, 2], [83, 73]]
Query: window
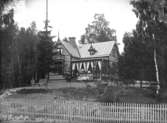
[[59, 51], [92, 50], [165, 10]]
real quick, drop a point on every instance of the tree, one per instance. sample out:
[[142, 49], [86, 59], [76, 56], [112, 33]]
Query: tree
[[98, 31], [136, 63], [8, 37], [7, 29], [18, 55], [18, 49], [44, 58], [4, 3], [147, 42], [26, 51], [151, 27]]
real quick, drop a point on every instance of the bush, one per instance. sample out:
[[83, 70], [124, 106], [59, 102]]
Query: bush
[[110, 95], [100, 87], [30, 91], [68, 77]]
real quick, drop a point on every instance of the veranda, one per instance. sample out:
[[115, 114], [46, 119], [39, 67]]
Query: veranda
[[91, 69]]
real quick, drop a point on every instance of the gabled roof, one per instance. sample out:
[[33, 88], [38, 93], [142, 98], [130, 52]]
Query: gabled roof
[[102, 48], [82, 51], [71, 49]]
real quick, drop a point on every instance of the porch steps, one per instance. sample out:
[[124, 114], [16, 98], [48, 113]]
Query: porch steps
[[56, 81], [55, 77]]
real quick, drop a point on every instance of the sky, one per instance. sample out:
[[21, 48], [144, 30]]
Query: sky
[[71, 17]]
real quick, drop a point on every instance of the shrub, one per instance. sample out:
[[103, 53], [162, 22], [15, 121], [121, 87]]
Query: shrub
[[110, 95], [30, 91], [68, 77]]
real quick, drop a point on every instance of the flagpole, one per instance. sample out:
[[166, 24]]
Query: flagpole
[[46, 21]]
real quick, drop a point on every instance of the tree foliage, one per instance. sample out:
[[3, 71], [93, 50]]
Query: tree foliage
[[24, 51], [98, 31], [8, 38], [18, 49], [137, 61], [44, 53], [4, 3], [26, 44]]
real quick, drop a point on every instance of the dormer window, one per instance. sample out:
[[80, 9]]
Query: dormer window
[[59, 51], [92, 50]]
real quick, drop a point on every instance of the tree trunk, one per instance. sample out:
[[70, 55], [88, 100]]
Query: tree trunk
[[157, 71]]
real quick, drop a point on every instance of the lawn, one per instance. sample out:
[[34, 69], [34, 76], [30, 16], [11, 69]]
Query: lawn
[[98, 93], [42, 96], [39, 98]]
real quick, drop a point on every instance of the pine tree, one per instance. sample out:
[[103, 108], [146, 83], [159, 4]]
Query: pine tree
[[44, 58]]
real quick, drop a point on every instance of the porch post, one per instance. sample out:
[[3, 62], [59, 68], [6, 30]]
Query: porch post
[[101, 69], [108, 66], [56, 69], [71, 67], [93, 70], [62, 66]]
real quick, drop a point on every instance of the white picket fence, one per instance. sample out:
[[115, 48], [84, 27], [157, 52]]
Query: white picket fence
[[84, 111]]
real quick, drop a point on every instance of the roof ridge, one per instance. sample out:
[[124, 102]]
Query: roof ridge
[[78, 51], [102, 42]]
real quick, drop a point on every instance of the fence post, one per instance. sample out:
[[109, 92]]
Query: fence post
[[123, 111], [165, 113], [136, 115], [0, 108], [151, 111], [7, 109], [159, 112], [126, 113], [129, 113], [139, 110], [147, 112], [154, 109]]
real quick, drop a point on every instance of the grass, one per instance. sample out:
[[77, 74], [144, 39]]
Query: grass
[[79, 93], [39, 96], [90, 93], [131, 95], [137, 95]]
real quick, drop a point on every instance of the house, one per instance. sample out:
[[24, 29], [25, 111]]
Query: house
[[86, 61]]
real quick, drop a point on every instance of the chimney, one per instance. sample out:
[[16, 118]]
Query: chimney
[[92, 38], [72, 41]]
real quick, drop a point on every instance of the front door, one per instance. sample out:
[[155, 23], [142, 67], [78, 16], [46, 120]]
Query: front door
[[59, 67]]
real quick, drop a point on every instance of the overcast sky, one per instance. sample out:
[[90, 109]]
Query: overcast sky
[[71, 17]]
